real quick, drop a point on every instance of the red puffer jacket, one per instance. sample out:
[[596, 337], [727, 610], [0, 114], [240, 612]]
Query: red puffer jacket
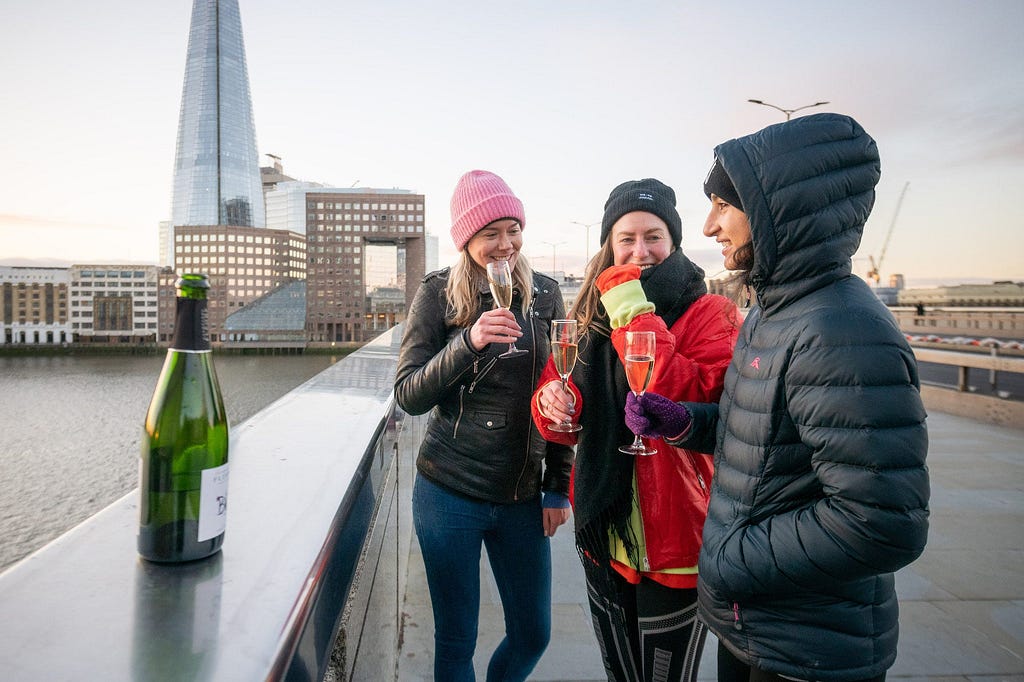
[[674, 484]]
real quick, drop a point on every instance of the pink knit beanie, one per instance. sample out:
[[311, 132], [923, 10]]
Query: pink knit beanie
[[481, 198]]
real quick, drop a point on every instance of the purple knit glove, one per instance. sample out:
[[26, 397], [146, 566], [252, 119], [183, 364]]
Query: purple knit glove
[[656, 416]]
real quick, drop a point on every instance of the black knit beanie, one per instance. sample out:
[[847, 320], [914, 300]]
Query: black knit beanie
[[648, 195], [719, 184]]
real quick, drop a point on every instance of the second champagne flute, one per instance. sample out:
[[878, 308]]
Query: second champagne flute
[[499, 278], [563, 353], [639, 368]]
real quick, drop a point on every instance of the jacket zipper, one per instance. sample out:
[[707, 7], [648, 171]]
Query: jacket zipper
[[533, 350], [458, 420], [700, 478], [462, 390], [458, 376], [736, 616], [481, 374], [645, 559]]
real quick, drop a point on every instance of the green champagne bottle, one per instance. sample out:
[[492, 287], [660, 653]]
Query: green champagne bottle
[[183, 484]]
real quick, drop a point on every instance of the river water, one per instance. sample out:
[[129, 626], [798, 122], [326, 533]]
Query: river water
[[71, 429]]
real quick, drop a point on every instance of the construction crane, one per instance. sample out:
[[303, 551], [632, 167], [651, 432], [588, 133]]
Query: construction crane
[[873, 273]]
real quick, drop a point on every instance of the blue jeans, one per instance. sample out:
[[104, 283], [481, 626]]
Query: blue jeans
[[450, 529]]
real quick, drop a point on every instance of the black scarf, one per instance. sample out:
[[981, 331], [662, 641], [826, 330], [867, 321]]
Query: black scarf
[[603, 495]]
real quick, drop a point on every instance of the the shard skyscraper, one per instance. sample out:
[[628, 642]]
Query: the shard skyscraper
[[216, 166]]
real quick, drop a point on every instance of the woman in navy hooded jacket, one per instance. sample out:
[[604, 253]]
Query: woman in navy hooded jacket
[[820, 490]]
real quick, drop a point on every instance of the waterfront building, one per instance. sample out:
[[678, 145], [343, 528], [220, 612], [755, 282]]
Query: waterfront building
[[997, 294], [275, 320], [217, 179], [114, 304], [340, 225], [34, 306], [243, 264]]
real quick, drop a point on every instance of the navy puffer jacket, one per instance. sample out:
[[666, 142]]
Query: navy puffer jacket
[[820, 490]]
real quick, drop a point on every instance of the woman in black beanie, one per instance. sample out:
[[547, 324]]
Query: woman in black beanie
[[639, 518]]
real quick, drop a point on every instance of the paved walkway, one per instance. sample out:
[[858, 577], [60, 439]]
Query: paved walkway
[[961, 602]]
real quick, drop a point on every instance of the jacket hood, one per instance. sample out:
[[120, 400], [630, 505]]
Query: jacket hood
[[807, 187]]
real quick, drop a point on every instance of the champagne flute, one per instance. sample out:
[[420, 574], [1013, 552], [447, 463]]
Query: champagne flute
[[499, 278], [563, 353], [639, 368]]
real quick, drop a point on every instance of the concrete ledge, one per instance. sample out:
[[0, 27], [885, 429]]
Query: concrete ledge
[[984, 408], [1000, 363], [306, 477]]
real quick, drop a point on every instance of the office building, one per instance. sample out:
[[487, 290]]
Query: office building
[[217, 178], [340, 224], [243, 264], [286, 204]]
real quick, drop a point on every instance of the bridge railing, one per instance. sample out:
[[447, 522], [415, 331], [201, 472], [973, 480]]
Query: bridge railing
[[313, 556], [958, 400]]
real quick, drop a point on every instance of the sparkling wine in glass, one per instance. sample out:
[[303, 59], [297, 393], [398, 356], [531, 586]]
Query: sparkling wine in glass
[[499, 278], [563, 353], [639, 368]]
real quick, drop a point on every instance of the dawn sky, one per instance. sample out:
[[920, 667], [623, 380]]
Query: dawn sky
[[564, 99]]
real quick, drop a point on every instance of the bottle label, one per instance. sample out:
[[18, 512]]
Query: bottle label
[[213, 502], [191, 325]]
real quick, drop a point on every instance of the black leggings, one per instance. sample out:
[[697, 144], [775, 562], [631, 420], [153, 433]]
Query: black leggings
[[731, 669], [646, 625]]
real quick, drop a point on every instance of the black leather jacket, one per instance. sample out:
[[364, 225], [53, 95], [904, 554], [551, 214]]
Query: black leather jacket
[[480, 440]]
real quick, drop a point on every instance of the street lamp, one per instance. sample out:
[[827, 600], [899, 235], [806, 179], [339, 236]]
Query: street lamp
[[588, 226], [553, 245], [787, 112]]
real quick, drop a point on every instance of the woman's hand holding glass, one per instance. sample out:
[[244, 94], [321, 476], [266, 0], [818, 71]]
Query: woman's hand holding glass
[[494, 326], [556, 403], [563, 354], [639, 369]]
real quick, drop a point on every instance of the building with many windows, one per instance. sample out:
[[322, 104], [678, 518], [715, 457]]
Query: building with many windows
[[34, 306], [114, 303], [340, 225], [217, 179], [997, 294], [243, 263]]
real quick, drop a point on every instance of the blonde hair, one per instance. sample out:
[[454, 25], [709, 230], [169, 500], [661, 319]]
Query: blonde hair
[[465, 281]]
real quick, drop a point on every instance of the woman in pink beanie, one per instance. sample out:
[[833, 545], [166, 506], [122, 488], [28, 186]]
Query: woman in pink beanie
[[485, 475]]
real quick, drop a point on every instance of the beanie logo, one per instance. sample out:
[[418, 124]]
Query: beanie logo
[[644, 196]]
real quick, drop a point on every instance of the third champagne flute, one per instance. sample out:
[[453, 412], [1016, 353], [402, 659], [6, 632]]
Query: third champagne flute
[[639, 368], [563, 353], [499, 278]]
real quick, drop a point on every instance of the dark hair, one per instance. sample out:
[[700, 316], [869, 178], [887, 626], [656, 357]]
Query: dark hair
[[737, 286]]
